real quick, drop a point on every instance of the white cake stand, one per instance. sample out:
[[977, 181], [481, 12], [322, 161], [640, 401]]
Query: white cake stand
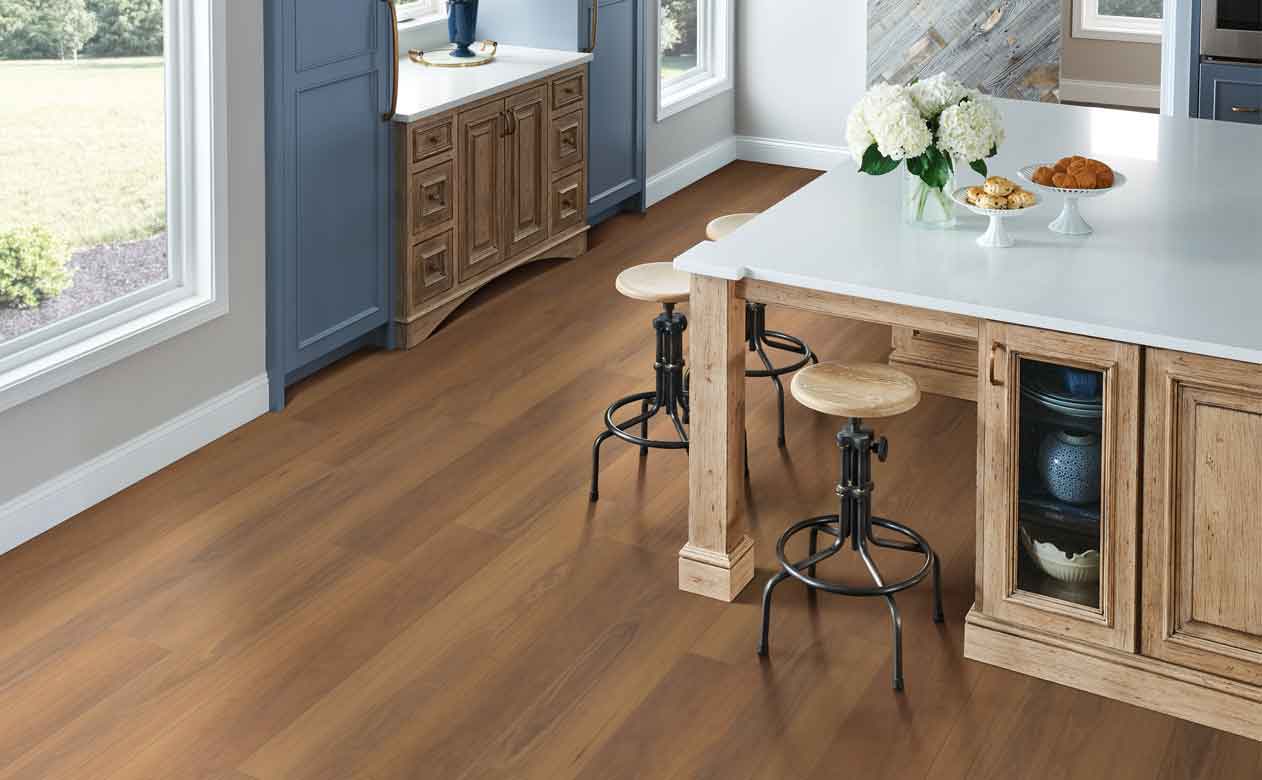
[[1070, 221], [996, 234]]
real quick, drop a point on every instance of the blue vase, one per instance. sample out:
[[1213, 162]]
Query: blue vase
[[462, 22], [1070, 466]]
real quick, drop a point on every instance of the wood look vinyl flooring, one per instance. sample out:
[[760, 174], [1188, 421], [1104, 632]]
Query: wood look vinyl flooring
[[401, 577]]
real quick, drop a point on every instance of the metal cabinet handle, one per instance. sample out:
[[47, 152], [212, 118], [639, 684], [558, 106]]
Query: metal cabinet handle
[[591, 36], [1246, 109], [394, 62], [993, 349], [512, 122]]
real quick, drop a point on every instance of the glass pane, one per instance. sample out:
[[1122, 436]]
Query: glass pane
[[678, 38], [1139, 9], [1059, 482], [82, 162]]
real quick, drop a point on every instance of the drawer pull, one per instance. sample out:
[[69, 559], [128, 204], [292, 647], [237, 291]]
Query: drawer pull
[[433, 140], [1246, 109], [993, 349], [435, 196]]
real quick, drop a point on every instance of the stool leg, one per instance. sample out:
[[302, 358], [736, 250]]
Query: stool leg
[[600, 439], [898, 643], [810, 553], [775, 380], [780, 577], [938, 615], [644, 426]]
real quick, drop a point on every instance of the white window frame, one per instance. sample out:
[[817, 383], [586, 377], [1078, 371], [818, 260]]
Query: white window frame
[[716, 39], [417, 13], [1088, 22], [197, 229]]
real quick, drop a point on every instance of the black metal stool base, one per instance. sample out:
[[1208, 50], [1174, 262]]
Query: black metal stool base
[[670, 397], [855, 524], [760, 340]]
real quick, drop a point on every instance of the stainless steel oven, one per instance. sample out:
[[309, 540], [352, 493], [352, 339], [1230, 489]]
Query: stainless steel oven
[[1232, 29]]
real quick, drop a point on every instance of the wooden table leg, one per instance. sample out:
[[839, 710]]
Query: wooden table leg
[[718, 560]]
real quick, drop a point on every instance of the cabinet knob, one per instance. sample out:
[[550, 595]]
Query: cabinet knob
[[433, 139]]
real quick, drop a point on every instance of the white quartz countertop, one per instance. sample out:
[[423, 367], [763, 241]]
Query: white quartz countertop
[[1175, 261], [426, 91]]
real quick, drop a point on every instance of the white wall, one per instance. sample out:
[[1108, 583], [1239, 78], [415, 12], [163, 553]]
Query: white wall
[[49, 435], [800, 66]]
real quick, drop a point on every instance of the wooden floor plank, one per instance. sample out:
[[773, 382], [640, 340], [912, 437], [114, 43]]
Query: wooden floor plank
[[402, 576]]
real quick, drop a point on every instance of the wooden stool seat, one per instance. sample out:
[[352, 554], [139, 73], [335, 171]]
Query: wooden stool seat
[[855, 390], [726, 225], [657, 282]]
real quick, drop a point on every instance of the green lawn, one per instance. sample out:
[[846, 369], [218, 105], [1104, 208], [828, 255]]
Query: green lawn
[[674, 65], [81, 148]]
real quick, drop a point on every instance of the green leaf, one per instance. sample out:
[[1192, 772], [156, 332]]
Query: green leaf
[[875, 163], [936, 170], [916, 165], [979, 166], [994, 150]]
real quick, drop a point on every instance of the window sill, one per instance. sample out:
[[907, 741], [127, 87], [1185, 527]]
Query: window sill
[[1123, 36], [51, 371], [684, 97], [434, 21]]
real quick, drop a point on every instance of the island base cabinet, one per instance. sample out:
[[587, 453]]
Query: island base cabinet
[[941, 364], [1060, 470], [1203, 515]]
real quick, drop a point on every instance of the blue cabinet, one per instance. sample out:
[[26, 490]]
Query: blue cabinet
[[329, 248], [1231, 92], [615, 32]]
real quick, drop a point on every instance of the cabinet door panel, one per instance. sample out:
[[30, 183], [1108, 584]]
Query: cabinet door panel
[[1203, 515], [568, 203], [1060, 471], [481, 186], [527, 186], [427, 272]]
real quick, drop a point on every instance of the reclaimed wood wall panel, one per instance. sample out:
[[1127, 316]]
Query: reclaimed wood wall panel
[[1007, 48]]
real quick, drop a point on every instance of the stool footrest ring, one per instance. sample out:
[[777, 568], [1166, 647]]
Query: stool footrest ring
[[828, 524], [618, 429]]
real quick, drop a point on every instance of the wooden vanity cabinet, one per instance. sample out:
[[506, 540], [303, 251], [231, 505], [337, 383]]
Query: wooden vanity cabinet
[[486, 188], [1019, 436], [1202, 545]]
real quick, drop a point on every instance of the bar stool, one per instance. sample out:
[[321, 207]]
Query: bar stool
[[658, 283], [756, 333], [856, 391]]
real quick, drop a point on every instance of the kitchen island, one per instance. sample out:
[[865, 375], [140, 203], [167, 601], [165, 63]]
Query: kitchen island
[[1161, 304]]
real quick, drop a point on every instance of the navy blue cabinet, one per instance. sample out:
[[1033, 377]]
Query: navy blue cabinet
[[1231, 92], [614, 31], [329, 247]]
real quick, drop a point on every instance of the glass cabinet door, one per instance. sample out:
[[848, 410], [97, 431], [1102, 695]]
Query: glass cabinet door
[[1060, 483]]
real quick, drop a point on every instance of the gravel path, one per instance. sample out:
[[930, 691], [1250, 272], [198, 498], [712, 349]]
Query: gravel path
[[101, 274]]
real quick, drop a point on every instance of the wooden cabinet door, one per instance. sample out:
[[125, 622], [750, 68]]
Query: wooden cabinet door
[[1060, 471], [482, 181], [1203, 514], [526, 193]]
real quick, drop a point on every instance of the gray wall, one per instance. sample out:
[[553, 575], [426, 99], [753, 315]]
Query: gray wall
[[1085, 59], [75, 423], [800, 66], [690, 131]]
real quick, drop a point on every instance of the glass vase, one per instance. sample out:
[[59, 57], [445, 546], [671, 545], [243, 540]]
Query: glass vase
[[927, 207]]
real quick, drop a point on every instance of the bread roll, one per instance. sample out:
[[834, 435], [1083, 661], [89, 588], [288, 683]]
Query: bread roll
[[996, 202]]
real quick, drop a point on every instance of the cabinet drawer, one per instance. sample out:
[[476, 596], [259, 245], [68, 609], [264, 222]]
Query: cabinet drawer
[[432, 138], [432, 198], [1231, 92], [569, 140], [429, 271], [569, 202], [568, 90]]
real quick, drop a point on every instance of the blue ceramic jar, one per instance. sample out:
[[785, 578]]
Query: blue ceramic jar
[[1069, 464]]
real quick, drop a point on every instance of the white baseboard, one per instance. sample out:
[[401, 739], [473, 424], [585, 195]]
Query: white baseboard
[[794, 154], [66, 495], [691, 170], [1111, 93]]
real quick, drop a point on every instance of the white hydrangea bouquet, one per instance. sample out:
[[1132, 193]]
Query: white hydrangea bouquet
[[933, 125]]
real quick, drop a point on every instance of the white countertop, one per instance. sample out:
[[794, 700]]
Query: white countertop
[[426, 91], [1175, 261]]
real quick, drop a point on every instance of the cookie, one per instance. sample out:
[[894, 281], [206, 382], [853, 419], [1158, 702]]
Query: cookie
[[1021, 200], [996, 202], [999, 186], [1044, 175], [973, 193]]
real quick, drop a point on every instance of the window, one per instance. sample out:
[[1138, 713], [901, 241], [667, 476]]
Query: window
[[694, 52], [110, 168], [417, 12], [1118, 20]]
